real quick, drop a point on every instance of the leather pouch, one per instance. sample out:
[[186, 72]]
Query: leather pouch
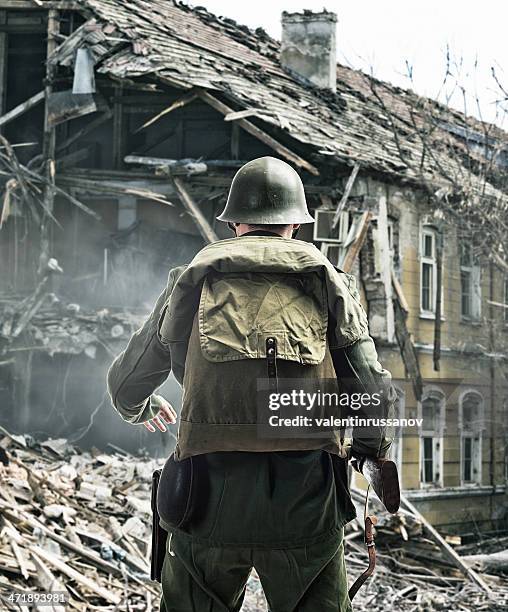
[[182, 492]]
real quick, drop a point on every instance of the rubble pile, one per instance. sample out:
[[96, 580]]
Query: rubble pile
[[413, 571], [76, 522], [79, 523], [46, 323]]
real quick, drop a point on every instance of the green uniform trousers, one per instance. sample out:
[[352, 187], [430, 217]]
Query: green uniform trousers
[[277, 512], [199, 578]]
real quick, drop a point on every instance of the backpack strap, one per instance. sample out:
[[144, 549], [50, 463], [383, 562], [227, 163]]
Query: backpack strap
[[271, 362]]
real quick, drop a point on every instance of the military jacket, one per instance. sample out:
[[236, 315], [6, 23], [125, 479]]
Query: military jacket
[[209, 327]]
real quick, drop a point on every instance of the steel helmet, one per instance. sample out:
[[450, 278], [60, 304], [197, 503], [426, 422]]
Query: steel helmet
[[266, 191]]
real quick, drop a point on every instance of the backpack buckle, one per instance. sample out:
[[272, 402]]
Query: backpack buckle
[[271, 362]]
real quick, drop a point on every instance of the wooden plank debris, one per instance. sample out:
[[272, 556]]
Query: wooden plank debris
[[64, 5], [345, 196], [403, 337], [399, 293], [100, 563], [40, 498], [201, 221], [443, 544], [260, 134], [80, 578], [385, 264], [22, 108], [179, 103], [48, 146], [356, 246], [64, 105], [89, 127], [111, 187], [183, 166]]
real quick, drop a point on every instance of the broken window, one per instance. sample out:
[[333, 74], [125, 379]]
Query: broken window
[[471, 412], [334, 243], [469, 283], [432, 412]]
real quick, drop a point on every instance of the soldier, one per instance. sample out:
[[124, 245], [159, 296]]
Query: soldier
[[278, 505]]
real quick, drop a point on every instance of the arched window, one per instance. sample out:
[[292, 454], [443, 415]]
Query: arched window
[[431, 440], [471, 426]]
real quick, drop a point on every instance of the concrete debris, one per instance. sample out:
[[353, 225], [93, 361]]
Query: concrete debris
[[84, 519], [80, 517], [56, 328]]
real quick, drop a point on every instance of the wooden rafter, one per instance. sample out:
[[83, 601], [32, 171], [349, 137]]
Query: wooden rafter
[[205, 229], [85, 130], [22, 108], [259, 133], [63, 5], [182, 101]]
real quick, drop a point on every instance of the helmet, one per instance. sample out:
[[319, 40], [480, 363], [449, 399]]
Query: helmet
[[266, 191]]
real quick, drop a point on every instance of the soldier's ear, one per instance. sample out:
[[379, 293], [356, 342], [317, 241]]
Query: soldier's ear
[[296, 227]]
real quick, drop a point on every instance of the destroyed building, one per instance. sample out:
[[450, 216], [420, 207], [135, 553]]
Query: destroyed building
[[122, 125]]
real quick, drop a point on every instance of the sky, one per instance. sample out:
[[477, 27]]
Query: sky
[[390, 38]]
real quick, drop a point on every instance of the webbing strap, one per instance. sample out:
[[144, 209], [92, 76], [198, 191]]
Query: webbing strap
[[271, 362]]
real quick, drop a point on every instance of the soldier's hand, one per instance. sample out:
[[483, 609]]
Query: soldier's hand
[[166, 415]]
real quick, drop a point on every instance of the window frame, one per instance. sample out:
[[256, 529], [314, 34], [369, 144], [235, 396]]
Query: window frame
[[473, 269], [436, 435], [475, 434], [427, 229]]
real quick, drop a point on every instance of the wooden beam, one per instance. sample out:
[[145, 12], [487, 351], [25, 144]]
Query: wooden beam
[[182, 101], [447, 549], [385, 265], [85, 130], [259, 134], [205, 229], [356, 247], [343, 201], [118, 129], [403, 337], [79, 577], [3, 70], [399, 293], [48, 145], [110, 187], [73, 159], [156, 162], [22, 108], [38, 5]]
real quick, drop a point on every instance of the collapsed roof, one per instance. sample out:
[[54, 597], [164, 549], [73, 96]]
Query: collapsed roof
[[379, 126]]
